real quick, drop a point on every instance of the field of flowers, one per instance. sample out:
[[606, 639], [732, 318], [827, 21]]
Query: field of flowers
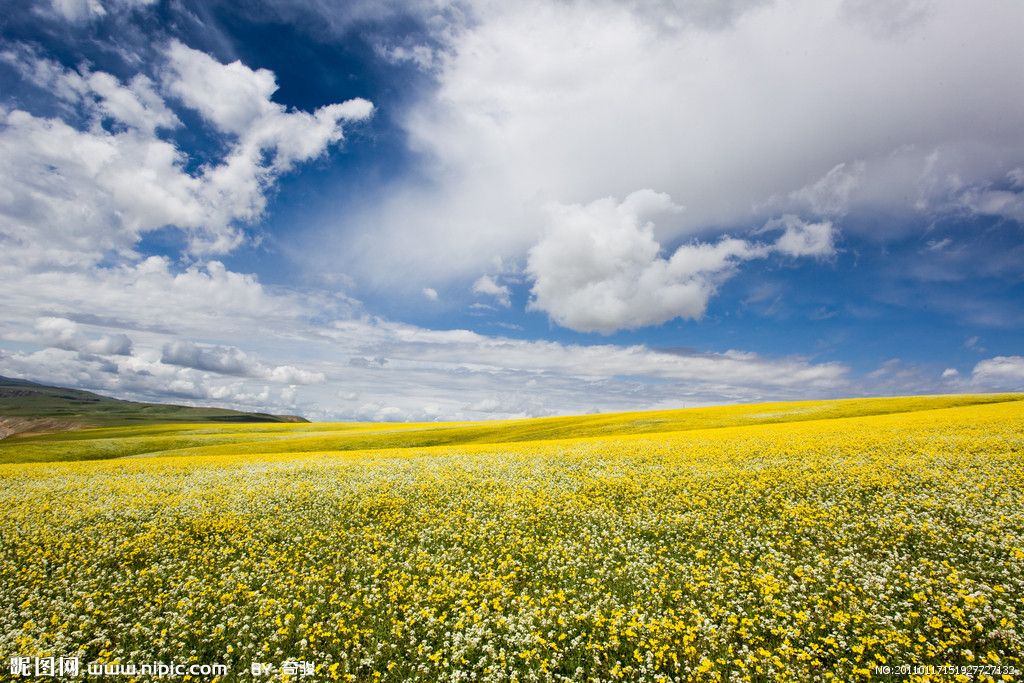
[[807, 550]]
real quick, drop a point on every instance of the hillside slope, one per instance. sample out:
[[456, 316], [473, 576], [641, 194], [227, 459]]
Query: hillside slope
[[28, 407]]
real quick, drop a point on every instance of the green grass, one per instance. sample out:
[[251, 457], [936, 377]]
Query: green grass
[[267, 438]]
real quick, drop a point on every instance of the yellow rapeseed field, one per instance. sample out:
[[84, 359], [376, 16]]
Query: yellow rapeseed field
[[800, 545]]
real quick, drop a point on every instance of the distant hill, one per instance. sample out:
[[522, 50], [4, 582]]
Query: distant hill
[[28, 407]]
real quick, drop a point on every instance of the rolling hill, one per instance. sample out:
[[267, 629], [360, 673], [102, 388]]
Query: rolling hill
[[31, 408]]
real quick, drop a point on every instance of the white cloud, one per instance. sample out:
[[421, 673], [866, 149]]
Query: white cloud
[[85, 10], [237, 100], [599, 267], [528, 125], [381, 411], [430, 293], [368, 363], [240, 394], [220, 359], [683, 14], [61, 333], [950, 373], [488, 286], [423, 56], [710, 111], [511, 405], [251, 334], [135, 104], [470, 351], [989, 201], [150, 294], [69, 195], [999, 373], [337, 18], [471, 376], [124, 377], [289, 374], [830, 194], [230, 360], [938, 245], [79, 190], [803, 239], [96, 94], [232, 96], [111, 345], [288, 395]]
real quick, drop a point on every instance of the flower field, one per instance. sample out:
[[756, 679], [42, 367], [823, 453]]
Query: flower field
[[801, 548]]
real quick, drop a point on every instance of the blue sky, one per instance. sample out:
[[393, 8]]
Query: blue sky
[[466, 209]]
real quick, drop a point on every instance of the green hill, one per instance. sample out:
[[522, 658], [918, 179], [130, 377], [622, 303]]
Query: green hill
[[27, 407]]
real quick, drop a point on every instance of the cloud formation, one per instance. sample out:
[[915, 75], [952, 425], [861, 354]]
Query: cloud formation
[[488, 286], [388, 370], [599, 267], [61, 333], [877, 108], [1000, 372], [86, 10], [528, 145], [230, 360], [73, 193]]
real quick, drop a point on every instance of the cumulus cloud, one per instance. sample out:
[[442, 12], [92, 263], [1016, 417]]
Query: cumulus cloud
[[221, 359], [141, 378], [62, 333], [430, 293], [1000, 373], [71, 195], [599, 267], [96, 94], [882, 109], [229, 360], [237, 100]]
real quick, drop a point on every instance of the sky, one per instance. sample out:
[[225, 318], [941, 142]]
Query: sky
[[472, 209]]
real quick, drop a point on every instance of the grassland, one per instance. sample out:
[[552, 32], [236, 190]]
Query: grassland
[[778, 542]]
